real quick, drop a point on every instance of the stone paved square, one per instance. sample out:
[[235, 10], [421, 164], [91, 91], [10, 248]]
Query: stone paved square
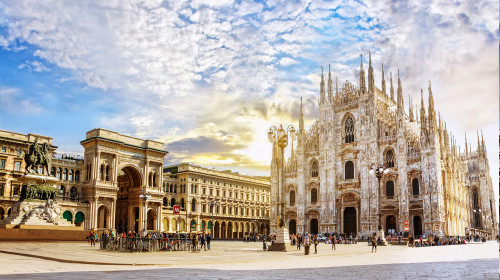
[[239, 260]]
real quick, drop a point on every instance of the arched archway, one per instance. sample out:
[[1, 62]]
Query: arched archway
[[292, 227], [79, 218], [192, 226], [165, 224], [230, 230], [173, 225], [390, 224], [129, 183], [350, 225], [103, 217], [216, 229], [151, 220], [67, 215]]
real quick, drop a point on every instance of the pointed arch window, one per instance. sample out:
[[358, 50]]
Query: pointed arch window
[[314, 195], [314, 169], [292, 198], [389, 159], [389, 188], [349, 170], [349, 130], [415, 186]]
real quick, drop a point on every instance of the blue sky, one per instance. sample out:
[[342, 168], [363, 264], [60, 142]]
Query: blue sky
[[209, 79]]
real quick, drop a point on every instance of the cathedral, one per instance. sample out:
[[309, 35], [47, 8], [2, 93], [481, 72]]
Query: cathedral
[[366, 162]]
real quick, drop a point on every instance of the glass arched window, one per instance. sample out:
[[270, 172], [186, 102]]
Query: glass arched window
[[65, 174], [172, 202], [182, 203], [349, 170], [389, 188], [53, 171], [106, 173], [101, 173], [58, 174], [415, 187], [349, 130], [165, 202], [77, 176], [70, 175], [292, 197], [314, 169], [389, 159], [314, 196]]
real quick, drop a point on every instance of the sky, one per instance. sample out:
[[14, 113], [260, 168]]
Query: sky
[[209, 78]]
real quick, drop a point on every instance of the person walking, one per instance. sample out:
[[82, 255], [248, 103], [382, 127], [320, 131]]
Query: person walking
[[209, 238], [374, 242], [333, 242], [315, 238], [299, 240]]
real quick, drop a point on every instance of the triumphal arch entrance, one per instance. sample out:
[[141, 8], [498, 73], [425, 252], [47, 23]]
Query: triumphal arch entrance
[[122, 181]]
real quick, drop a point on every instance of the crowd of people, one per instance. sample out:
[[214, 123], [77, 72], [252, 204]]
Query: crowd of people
[[162, 241], [151, 241]]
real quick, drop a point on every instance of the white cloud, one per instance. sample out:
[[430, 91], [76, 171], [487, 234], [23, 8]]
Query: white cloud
[[174, 69]]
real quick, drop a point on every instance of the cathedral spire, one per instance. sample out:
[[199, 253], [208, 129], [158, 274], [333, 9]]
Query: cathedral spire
[[362, 82], [431, 111], [392, 88], [400, 95], [483, 146], [371, 80], [466, 151], [410, 108], [383, 81], [422, 109], [322, 87], [330, 85]]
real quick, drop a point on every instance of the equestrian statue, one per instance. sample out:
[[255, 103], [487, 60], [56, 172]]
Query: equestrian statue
[[38, 155]]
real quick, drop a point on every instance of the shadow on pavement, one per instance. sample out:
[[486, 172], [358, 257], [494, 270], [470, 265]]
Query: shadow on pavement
[[474, 269]]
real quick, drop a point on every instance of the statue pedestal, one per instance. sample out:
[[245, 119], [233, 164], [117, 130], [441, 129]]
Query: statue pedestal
[[282, 238], [40, 180], [382, 237], [36, 207]]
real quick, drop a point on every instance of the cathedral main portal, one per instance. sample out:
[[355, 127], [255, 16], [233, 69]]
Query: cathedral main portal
[[350, 220]]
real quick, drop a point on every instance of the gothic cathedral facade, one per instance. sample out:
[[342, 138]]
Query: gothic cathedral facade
[[366, 162]]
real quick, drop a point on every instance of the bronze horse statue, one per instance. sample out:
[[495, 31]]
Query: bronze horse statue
[[39, 154]]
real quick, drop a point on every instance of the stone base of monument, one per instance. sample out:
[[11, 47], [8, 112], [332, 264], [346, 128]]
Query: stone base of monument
[[382, 237], [282, 240], [36, 207]]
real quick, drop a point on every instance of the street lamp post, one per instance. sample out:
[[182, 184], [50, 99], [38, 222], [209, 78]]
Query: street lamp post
[[279, 136], [379, 172]]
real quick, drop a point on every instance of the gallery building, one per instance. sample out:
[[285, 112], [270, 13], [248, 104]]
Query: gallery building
[[120, 183]]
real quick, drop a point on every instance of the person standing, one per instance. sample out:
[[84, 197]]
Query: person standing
[[202, 241], [299, 240], [374, 242], [333, 242]]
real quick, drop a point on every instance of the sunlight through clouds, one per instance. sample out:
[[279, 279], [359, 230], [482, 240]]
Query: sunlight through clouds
[[218, 74]]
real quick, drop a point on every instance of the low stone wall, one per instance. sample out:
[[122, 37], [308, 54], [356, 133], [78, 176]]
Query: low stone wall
[[22, 234]]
